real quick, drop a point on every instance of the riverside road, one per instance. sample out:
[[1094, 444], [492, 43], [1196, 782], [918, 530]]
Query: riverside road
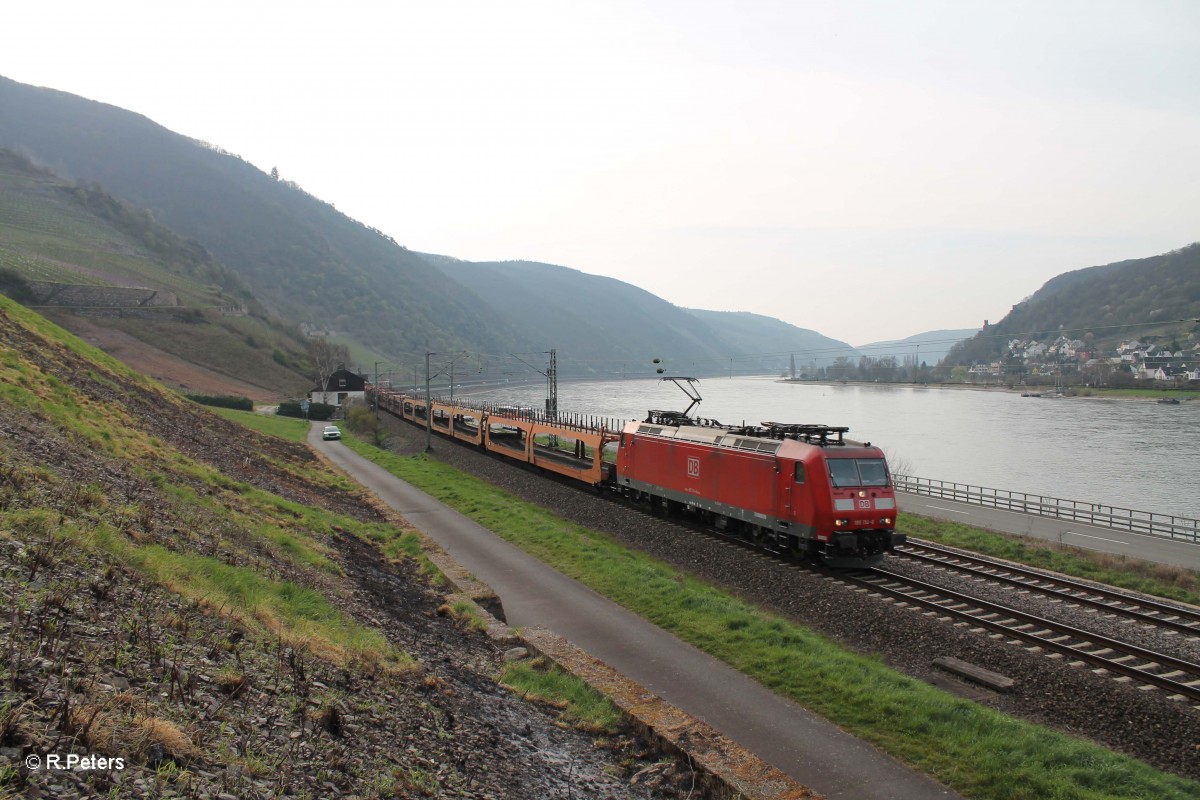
[[1147, 547], [802, 745]]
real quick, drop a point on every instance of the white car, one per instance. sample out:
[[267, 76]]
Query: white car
[[331, 432]]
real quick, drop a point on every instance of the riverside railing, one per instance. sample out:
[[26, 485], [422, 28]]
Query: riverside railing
[[1098, 514]]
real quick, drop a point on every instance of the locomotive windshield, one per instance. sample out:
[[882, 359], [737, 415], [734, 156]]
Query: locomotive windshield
[[845, 472]]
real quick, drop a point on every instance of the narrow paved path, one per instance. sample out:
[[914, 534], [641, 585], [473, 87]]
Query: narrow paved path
[[1107, 540], [802, 745]]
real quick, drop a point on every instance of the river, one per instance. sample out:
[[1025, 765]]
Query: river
[[1129, 453]]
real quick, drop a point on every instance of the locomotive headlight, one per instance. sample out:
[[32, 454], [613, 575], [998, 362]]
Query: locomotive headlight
[[885, 521], [862, 493], [841, 523]]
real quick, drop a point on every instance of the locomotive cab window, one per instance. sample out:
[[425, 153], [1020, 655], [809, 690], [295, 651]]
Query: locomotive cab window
[[799, 472], [842, 472], [873, 472], [845, 472]]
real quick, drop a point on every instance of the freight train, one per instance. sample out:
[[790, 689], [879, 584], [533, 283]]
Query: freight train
[[801, 491]]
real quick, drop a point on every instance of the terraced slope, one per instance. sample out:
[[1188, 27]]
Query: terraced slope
[[59, 240]]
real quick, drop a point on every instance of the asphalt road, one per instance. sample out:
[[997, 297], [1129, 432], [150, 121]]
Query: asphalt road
[[1107, 540], [801, 744]]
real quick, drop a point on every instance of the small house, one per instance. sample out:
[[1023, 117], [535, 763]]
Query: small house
[[340, 387]]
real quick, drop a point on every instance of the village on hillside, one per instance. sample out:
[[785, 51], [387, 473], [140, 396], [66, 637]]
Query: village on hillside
[[1133, 363]]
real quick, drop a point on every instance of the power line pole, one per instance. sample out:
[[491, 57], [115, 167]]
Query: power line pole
[[428, 409], [552, 386]]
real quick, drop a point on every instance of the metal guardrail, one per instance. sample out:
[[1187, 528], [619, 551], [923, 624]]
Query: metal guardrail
[[1099, 514]]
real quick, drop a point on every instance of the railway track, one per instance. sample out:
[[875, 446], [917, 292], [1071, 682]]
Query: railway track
[[1108, 600], [1179, 677], [1077, 646]]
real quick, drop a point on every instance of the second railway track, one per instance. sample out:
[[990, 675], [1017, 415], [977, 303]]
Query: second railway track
[[1108, 600], [1179, 677], [1076, 645]]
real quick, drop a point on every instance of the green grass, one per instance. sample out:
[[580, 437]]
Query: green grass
[[47, 235], [398, 544], [299, 548], [393, 541], [289, 428], [301, 615], [979, 752], [582, 706], [467, 614]]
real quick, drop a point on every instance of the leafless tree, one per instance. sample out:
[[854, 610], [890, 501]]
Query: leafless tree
[[327, 357]]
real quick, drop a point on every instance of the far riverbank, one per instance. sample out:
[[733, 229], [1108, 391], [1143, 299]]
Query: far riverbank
[[1085, 393]]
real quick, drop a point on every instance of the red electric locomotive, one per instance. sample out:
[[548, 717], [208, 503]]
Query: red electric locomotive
[[797, 490], [800, 490]]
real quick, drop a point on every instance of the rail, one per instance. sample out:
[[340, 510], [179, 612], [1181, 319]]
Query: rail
[[1099, 514]]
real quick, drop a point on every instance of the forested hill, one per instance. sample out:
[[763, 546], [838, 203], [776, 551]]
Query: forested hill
[[749, 333], [303, 258], [608, 327], [1124, 300]]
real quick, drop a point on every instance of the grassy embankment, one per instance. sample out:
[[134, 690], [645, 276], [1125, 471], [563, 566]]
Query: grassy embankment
[[289, 428], [579, 704], [185, 512], [979, 752], [392, 542]]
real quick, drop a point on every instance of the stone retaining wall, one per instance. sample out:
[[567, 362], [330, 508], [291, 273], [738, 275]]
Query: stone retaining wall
[[74, 295]]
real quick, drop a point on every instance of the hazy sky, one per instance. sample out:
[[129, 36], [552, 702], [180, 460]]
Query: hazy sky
[[869, 170]]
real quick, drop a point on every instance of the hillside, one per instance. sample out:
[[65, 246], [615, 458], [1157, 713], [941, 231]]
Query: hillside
[[309, 264], [768, 343], [609, 327], [208, 605], [160, 303], [931, 346], [1103, 305], [305, 260], [589, 317]]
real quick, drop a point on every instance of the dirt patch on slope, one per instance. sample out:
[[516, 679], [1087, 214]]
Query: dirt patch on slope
[[169, 370]]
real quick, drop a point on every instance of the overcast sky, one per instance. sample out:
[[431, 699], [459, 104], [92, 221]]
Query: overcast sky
[[869, 170]]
